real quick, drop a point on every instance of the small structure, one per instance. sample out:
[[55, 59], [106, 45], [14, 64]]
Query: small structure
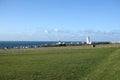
[[60, 43], [93, 45]]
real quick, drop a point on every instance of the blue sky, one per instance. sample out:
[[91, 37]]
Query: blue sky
[[51, 20]]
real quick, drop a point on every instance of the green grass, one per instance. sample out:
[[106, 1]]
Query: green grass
[[60, 63]]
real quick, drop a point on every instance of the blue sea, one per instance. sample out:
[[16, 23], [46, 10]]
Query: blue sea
[[19, 44], [12, 44]]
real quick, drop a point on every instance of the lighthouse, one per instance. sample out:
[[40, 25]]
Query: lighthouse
[[88, 40]]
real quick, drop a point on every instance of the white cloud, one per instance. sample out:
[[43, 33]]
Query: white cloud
[[56, 30], [46, 31]]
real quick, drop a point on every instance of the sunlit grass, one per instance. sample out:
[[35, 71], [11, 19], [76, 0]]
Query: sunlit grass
[[60, 63]]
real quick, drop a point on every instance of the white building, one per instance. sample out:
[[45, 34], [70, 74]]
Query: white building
[[88, 40], [59, 42]]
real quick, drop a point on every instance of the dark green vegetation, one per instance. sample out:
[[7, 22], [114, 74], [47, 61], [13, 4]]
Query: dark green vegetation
[[60, 63]]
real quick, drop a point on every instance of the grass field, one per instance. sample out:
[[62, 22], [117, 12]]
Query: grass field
[[60, 63]]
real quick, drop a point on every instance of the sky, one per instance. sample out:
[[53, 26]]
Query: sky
[[66, 20]]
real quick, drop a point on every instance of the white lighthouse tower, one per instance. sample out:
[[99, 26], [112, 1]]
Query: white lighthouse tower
[[88, 40]]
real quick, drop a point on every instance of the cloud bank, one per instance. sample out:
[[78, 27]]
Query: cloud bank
[[64, 35]]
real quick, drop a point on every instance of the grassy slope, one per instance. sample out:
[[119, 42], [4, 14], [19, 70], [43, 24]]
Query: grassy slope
[[62, 63]]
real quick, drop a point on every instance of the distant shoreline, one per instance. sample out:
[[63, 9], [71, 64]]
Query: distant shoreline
[[37, 44]]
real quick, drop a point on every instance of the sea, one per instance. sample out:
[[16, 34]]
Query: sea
[[20, 44], [13, 44]]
